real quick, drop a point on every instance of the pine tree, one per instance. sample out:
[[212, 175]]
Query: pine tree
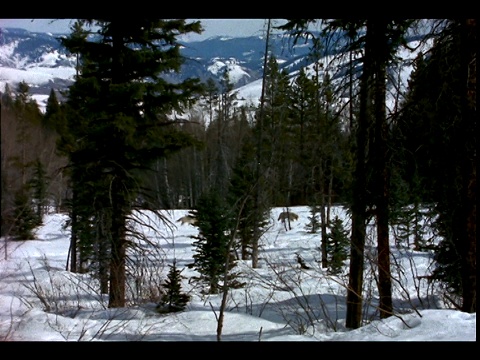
[[173, 300], [305, 126], [438, 122], [25, 219], [241, 198], [275, 147], [313, 225], [28, 114], [38, 184], [22, 144], [221, 166], [371, 175], [117, 124], [212, 242], [53, 111], [338, 245], [7, 97]]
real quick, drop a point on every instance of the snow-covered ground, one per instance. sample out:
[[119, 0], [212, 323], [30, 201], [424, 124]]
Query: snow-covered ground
[[41, 301]]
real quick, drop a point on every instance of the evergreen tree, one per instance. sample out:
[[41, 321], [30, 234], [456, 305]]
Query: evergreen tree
[[7, 97], [407, 227], [314, 224], [438, 122], [28, 155], [173, 300], [211, 245], [276, 143], [28, 115], [338, 245], [371, 184], [117, 125], [25, 219], [241, 197], [410, 208], [38, 184], [219, 126], [305, 126], [53, 117]]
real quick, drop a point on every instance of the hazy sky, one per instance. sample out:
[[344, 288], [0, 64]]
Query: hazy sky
[[212, 27]]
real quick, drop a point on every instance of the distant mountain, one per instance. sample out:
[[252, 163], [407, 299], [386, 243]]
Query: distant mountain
[[40, 60]]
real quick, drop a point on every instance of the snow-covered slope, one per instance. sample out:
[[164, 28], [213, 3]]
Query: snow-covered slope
[[40, 60]]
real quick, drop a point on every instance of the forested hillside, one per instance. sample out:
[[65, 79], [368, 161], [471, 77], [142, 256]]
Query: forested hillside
[[44, 63], [120, 142]]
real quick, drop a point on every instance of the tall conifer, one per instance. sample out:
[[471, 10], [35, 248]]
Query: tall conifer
[[118, 119]]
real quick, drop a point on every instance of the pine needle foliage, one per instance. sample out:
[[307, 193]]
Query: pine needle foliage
[[117, 121], [338, 245], [38, 184], [314, 223], [173, 300], [25, 219], [212, 242]]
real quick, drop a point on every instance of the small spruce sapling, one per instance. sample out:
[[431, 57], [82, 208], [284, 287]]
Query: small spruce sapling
[[337, 246], [314, 223], [173, 300], [25, 219]]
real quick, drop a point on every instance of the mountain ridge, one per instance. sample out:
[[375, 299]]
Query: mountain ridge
[[23, 51], [43, 63]]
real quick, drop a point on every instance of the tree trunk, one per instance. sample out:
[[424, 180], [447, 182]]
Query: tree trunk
[[118, 248], [380, 170], [354, 292], [330, 194], [73, 236], [259, 175], [323, 222], [168, 190], [118, 196], [102, 244], [469, 193]]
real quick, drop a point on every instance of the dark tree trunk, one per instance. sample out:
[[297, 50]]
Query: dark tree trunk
[[380, 172], [118, 195], [259, 168], [469, 172], [323, 222], [330, 193], [73, 236], [354, 292], [118, 248], [103, 246]]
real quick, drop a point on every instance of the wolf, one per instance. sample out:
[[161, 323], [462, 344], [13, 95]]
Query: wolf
[[287, 215], [187, 219]]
